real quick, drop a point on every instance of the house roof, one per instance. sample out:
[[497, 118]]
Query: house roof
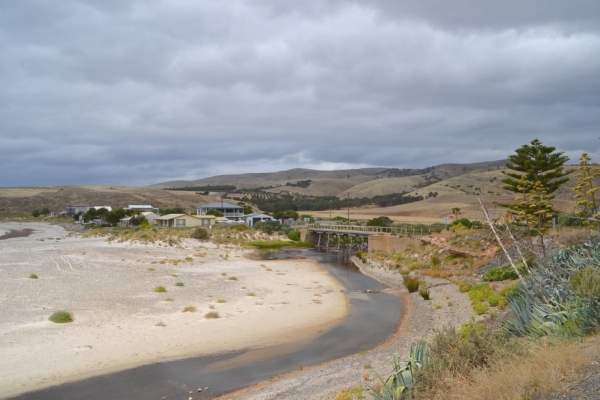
[[140, 206], [217, 205], [173, 216], [255, 215]]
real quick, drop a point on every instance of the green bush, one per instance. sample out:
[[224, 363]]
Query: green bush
[[160, 289], [294, 235], [33, 276], [480, 307], [503, 273], [61, 317], [200, 233]]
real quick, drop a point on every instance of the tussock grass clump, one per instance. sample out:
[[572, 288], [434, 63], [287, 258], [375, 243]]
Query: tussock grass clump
[[411, 283], [212, 314], [532, 370], [251, 294], [232, 278], [160, 289], [221, 301], [424, 294], [33, 276], [179, 284], [189, 309], [61, 317]]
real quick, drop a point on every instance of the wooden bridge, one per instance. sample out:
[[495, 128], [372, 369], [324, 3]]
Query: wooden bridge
[[343, 236]]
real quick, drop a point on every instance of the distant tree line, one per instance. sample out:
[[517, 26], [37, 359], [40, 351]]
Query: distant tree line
[[208, 188], [287, 202]]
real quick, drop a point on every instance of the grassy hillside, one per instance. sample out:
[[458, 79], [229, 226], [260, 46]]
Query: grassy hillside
[[57, 198]]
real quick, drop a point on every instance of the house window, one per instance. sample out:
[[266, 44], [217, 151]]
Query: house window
[[180, 222], [206, 222]]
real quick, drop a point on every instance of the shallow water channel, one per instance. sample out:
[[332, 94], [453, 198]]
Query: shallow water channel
[[371, 320]]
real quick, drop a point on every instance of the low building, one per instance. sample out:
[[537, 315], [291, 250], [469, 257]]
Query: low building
[[229, 211], [254, 218], [142, 207], [149, 216], [184, 221], [74, 210]]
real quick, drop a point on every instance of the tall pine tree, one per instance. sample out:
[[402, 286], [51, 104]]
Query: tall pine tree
[[535, 163]]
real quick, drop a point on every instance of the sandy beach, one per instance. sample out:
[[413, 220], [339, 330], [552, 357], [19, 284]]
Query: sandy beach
[[120, 322]]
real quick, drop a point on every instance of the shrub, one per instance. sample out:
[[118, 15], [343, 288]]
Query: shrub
[[294, 235], [160, 289], [251, 294], [464, 287], [495, 300], [232, 278], [435, 260], [189, 309], [221, 301], [33, 276], [424, 294], [503, 273], [456, 355], [480, 307], [212, 314], [585, 283], [350, 394], [61, 317], [200, 233], [411, 283], [179, 284]]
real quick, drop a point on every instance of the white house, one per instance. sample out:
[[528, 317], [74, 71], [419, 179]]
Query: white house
[[230, 211], [149, 216], [184, 220], [253, 218]]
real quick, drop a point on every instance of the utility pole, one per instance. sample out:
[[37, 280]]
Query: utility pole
[[330, 210], [348, 207]]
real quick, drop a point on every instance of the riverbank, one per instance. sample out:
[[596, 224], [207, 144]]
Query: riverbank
[[419, 320], [120, 321]]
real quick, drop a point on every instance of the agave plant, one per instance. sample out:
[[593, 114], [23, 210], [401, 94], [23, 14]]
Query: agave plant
[[400, 383], [553, 308]]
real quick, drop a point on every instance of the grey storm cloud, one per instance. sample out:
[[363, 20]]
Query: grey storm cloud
[[138, 92]]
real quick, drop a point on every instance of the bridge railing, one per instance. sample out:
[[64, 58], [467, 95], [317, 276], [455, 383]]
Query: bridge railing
[[353, 228]]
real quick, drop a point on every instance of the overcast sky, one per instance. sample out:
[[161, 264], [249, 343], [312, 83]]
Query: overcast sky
[[140, 92]]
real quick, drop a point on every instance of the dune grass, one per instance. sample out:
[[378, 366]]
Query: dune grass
[[212, 314], [276, 244], [189, 309], [160, 289], [61, 317]]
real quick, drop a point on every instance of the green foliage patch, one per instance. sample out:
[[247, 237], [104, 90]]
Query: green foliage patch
[[61, 317]]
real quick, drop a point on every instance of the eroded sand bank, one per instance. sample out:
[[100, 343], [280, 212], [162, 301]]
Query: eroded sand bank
[[119, 322]]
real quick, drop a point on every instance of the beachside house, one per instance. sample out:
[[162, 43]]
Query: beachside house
[[253, 218], [230, 211], [149, 216], [184, 221]]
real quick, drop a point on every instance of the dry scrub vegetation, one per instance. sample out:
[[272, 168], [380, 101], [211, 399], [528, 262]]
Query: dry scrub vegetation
[[235, 235], [497, 357]]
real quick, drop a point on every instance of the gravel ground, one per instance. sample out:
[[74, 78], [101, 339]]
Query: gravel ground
[[419, 320]]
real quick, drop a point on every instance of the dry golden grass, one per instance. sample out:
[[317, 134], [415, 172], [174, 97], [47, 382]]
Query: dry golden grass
[[546, 370]]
